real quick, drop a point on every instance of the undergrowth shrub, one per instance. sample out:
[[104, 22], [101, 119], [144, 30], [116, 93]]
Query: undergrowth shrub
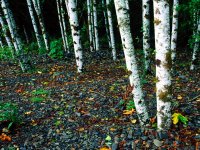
[[56, 49], [5, 53]]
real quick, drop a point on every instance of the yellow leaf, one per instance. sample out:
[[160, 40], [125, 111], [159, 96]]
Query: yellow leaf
[[105, 148], [39, 72], [112, 129], [134, 121], [175, 118], [28, 112], [128, 112], [179, 97], [81, 129]]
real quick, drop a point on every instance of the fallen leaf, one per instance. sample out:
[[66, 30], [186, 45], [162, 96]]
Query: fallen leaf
[[28, 112], [133, 121], [105, 148], [108, 138], [81, 129], [179, 97], [113, 129], [128, 112], [5, 137]]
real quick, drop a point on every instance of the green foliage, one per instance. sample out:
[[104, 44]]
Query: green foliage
[[40, 92], [9, 112], [178, 117], [5, 53], [37, 99], [130, 105], [31, 48], [56, 49]]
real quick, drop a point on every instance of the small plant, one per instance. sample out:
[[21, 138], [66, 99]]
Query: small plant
[[37, 99], [178, 117], [6, 53], [9, 113], [56, 49], [130, 105], [40, 92]]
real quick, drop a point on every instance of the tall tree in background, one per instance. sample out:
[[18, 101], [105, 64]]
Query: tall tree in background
[[13, 31], [75, 29], [37, 6], [174, 32], [1, 42], [89, 13], [33, 20], [5, 32], [128, 47], [64, 25], [106, 23], [163, 63], [95, 25], [196, 43], [111, 30], [146, 32]]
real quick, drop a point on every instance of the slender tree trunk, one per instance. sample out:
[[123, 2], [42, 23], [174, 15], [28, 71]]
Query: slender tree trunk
[[5, 32], [26, 35], [64, 25], [13, 30], [146, 32], [127, 42], [127, 4], [174, 29], [106, 24], [61, 24], [1, 42], [73, 19], [95, 25], [36, 4], [163, 63], [112, 37], [90, 24], [196, 46], [37, 35]]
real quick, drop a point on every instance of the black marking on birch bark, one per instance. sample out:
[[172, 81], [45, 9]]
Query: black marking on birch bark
[[157, 21], [146, 16], [145, 6], [168, 58], [158, 62], [157, 11]]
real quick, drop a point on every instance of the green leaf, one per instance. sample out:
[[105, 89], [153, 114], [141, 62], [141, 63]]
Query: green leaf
[[108, 138]]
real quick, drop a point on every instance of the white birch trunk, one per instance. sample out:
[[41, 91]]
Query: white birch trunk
[[90, 24], [60, 23], [112, 37], [73, 19], [174, 30], [146, 32], [127, 4], [3, 25], [33, 20], [163, 63], [13, 30], [64, 25], [106, 25], [36, 4], [196, 46], [95, 25], [127, 42], [1, 42]]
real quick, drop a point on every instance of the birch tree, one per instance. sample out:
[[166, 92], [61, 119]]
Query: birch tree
[[163, 63], [90, 24], [1, 42], [64, 26], [111, 30], [95, 25], [37, 6], [146, 32], [5, 32], [106, 23], [131, 64], [33, 20], [174, 32], [73, 19], [196, 45], [61, 23], [13, 31], [26, 35]]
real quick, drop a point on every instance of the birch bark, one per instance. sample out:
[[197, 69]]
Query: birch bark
[[73, 19], [131, 64], [146, 32], [163, 63], [95, 25], [174, 30], [33, 20], [112, 37]]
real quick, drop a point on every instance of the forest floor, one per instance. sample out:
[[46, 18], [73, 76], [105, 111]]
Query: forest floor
[[63, 110]]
